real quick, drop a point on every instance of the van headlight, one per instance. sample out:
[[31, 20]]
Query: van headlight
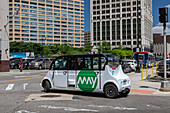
[[124, 82]]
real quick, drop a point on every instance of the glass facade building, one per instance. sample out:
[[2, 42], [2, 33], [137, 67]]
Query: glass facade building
[[47, 21], [115, 21]]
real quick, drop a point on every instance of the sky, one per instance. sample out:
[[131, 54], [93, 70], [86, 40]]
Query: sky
[[156, 4]]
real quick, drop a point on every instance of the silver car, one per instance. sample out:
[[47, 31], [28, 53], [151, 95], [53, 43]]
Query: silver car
[[160, 70], [132, 63], [41, 63]]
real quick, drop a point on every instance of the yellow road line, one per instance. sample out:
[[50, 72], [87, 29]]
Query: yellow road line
[[21, 79]]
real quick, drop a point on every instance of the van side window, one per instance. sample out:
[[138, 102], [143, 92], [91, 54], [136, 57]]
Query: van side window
[[88, 63], [72, 63], [96, 63], [61, 63], [81, 63], [84, 63], [103, 62]]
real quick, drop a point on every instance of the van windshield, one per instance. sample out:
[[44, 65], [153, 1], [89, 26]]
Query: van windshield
[[113, 61]]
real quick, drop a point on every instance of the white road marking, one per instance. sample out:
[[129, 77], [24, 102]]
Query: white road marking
[[9, 87], [24, 85], [26, 76], [112, 107], [67, 108], [24, 111]]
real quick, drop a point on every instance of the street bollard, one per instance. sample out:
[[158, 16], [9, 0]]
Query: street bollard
[[45, 66], [146, 69], [152, 69], [142, 72]]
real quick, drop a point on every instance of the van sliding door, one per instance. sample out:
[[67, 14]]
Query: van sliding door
[[60, 72]]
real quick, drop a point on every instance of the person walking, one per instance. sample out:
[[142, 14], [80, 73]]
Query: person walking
[[21, 65]]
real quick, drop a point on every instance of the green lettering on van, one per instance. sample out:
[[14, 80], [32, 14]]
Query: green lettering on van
[[87, 80]]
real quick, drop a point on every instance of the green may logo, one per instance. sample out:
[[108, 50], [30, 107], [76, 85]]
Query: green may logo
[[87, 80]]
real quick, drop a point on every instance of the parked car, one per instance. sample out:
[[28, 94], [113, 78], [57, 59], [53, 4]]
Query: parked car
[[14, 63], [26, 62], [126, 66], [160, 69], [133, 64], [40, 63]]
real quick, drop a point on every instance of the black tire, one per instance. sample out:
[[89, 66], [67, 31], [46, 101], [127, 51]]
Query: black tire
[[40, 67], [46, 86], [110, 91]]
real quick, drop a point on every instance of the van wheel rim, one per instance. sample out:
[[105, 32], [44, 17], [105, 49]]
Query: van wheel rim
[[110, 91]]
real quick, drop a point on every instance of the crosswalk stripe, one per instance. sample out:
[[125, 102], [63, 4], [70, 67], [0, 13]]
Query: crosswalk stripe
[[9, 87], [20, 87]]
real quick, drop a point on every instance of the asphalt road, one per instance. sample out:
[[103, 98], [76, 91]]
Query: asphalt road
[[21, 93]]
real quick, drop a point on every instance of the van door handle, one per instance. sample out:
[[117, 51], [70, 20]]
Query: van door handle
[[96, 73]]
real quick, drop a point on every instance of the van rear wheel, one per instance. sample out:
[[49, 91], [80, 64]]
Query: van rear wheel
[[46, 86], [110, 91]]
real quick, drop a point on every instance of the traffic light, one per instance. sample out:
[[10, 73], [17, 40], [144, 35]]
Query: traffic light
[[163, 18]]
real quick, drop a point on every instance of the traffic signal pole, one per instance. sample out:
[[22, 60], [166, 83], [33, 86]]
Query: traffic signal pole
[[164, 28], [163, 18]]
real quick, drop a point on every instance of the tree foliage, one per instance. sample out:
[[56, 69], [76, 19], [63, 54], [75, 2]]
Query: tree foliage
[[104, 47], [47, 50], [66, 48], [122, 52]]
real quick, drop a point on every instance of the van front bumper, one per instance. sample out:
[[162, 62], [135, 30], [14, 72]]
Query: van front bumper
[[125, 90]]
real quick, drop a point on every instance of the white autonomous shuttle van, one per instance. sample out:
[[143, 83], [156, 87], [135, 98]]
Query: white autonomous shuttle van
[[93, 72]]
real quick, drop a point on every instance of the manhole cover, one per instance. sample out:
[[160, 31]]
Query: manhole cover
[[50, 96]]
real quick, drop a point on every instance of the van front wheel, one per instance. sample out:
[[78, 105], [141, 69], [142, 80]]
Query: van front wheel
[[46, 86], [110, 91]]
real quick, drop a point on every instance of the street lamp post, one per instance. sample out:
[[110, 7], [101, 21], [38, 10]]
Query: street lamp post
[[137, 36]]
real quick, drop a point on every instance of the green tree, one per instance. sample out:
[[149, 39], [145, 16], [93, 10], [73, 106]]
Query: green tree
[[104, 47], [88, 47]]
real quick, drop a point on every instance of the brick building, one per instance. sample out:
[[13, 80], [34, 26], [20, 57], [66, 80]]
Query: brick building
[[158, 41]]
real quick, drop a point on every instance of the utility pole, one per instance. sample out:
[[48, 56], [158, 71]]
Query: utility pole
[[163, 18], [137, 36]]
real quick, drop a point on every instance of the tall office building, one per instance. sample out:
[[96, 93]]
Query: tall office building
[[47, 21], [115, 21], [87, 37]]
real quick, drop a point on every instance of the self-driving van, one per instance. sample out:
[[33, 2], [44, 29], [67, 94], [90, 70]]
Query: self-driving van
[[91, 73]]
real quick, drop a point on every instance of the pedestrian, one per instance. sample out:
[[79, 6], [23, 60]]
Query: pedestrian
[[20, 65]]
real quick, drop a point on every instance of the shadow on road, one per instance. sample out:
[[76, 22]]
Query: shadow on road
[[77, 94], [149, 87]]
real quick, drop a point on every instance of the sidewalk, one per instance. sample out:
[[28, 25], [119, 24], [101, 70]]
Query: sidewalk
[[17, 72], [145, 87]]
